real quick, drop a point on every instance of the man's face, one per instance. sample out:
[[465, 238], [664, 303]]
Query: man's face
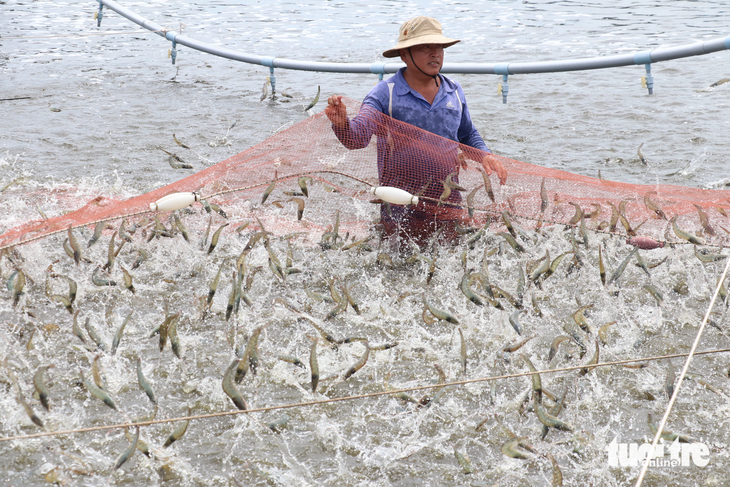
[[428, 57]]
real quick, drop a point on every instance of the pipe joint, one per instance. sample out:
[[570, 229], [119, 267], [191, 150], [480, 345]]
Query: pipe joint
[[378, 68], [502, 68], [643, 57]]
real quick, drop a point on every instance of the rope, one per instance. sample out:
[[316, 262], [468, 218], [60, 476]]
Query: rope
[[352, 398], [89, 34], [103, 220], [645, 467]]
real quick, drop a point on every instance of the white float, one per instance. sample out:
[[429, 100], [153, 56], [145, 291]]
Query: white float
[[174, 201], [395, 196]]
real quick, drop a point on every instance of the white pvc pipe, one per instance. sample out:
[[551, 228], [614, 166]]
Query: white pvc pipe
[[642, 57]]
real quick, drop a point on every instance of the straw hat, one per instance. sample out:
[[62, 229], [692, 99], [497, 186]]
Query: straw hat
[[421, 30]]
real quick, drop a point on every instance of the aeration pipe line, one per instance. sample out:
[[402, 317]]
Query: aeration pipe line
[[637, 58]]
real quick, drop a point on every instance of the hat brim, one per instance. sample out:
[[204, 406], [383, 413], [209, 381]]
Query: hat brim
[[428, 39]]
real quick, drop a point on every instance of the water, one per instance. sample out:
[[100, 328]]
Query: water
[[119, 105]]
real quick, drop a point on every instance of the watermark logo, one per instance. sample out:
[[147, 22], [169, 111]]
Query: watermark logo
[[675, 455]]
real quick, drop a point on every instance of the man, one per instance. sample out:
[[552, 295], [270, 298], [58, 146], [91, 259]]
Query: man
[[421, 97]]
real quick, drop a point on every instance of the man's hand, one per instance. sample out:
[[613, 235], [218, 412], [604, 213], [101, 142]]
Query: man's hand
[[491, 163], [337, 112]]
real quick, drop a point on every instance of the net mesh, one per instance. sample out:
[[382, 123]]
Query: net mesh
[[448, 177]]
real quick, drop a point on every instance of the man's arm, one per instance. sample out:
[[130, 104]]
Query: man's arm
[[355, 133]]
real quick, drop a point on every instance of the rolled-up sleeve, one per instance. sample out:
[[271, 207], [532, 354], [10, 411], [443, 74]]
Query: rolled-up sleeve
[[360, 130]]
